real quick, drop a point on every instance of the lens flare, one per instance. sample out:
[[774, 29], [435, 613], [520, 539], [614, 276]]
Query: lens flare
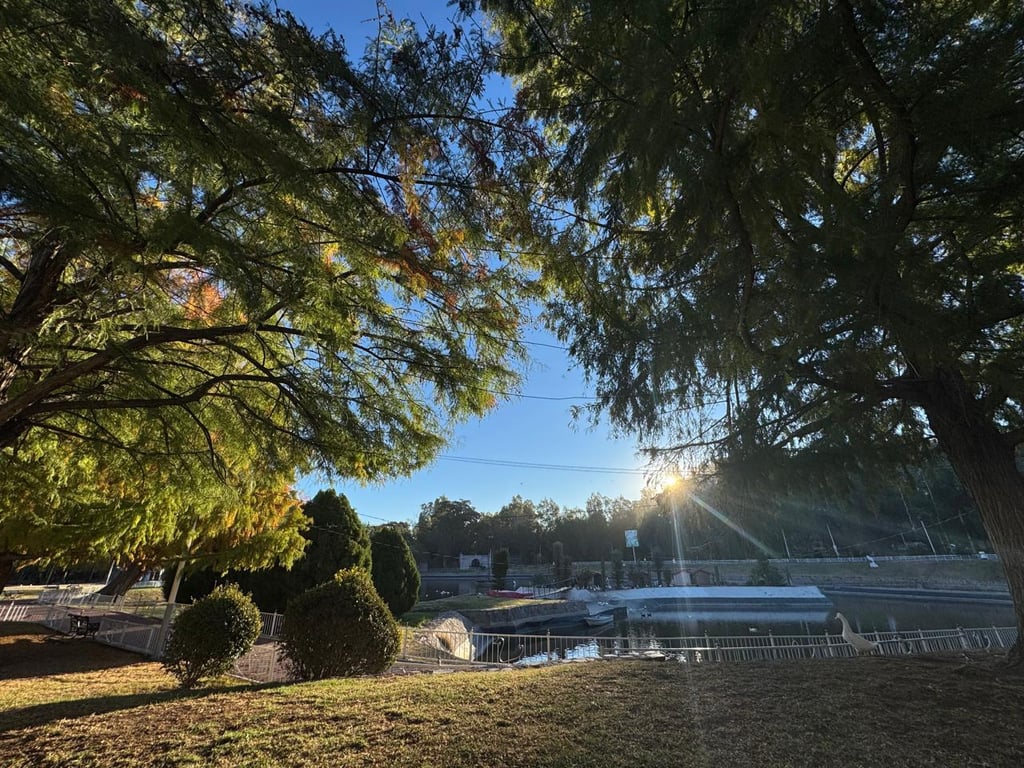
[[723, 518]]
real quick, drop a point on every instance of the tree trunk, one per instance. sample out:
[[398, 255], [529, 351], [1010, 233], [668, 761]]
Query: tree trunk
[[125, 580], [7, 570], [986, 465]]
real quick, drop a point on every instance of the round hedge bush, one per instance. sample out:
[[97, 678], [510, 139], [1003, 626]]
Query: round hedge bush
[[339, 629], [210, 634]]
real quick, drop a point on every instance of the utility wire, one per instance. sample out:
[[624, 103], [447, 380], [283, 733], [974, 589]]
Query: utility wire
[[537, 465]]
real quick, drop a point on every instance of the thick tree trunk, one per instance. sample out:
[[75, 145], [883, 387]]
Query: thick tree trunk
[[986, 465], [125, 580]]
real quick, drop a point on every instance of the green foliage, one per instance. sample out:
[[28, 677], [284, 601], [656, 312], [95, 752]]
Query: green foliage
[[499, 567], [339, 629], [764, 574], [446, 529], [336, 540], [395, 575], [211, 634], [342, 541], [62, 500], [797, 254], [788, 254], [230, 252]]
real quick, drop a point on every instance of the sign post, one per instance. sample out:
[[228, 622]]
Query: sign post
[[632, 541]]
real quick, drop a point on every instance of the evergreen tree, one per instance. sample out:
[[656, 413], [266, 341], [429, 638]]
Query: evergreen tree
[[499, 567], [227, 244], [394, 570], [799, 230], [341, 539], [336, 540]]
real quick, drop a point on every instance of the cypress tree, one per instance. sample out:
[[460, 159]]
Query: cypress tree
[[394, 570]]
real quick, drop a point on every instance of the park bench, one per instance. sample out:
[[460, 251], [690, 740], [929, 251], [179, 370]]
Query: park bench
[[82, 625]]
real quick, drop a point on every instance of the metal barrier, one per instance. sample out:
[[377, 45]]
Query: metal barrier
[[445, 647], [140, 636], [542, 649], [13, 611], [272, 623]]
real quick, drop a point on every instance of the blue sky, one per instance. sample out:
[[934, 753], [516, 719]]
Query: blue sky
[[536, 428]]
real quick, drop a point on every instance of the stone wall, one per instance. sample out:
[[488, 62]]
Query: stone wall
[[519, 616]]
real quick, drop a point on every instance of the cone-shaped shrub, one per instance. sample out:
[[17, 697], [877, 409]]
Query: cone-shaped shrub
[[394, 571], [210, 634], [339, 629]]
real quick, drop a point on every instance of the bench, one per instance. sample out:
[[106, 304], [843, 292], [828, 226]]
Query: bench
[[82, 625]]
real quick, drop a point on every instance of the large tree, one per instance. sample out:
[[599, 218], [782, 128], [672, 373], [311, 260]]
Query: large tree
[[447, 529], [342, 541], [211, 218], [800, 227]]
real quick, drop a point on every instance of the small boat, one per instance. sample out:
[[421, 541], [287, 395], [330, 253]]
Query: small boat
[[599, 619]]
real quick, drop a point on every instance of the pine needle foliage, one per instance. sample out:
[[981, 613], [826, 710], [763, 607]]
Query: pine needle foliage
[[798, 230], [225, 242], [395, 575]]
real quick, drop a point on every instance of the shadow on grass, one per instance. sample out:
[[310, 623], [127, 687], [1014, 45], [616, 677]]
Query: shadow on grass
[[38, 652], [19, 659], [42, 714]]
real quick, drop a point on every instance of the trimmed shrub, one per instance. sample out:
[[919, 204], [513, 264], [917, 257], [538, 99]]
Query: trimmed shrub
[[339, 629], [210, 634]]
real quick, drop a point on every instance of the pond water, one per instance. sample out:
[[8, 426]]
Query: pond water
[[865, 615]]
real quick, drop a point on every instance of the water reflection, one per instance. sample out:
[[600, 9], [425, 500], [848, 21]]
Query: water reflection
[[890, 615], [864, 614]]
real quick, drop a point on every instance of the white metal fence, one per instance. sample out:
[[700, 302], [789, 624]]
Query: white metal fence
[[141, 633], [138, 633], [444, 648], [13, 611], [547, 648]]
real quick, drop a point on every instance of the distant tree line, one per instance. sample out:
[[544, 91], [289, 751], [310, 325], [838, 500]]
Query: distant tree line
[[912, 512]]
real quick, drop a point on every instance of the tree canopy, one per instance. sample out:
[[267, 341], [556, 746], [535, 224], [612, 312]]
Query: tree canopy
[[798, 227], [224, 241], [448, 528], [332, 539]]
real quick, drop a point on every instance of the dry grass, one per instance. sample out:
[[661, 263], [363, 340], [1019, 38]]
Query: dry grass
[[81, 705]]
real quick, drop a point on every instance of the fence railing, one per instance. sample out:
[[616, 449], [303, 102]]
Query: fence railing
[[142, 634], [13, 611], [445, 646]]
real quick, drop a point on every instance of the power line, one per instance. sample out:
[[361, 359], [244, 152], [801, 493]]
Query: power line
[[538, 465]]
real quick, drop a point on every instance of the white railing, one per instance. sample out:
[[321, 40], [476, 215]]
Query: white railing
[[265, 663], [445, 647], [272, 624], [141, 635], [547, 648], [13, 611]]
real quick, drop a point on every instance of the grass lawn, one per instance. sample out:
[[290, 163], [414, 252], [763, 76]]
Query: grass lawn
[[79, 704]]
